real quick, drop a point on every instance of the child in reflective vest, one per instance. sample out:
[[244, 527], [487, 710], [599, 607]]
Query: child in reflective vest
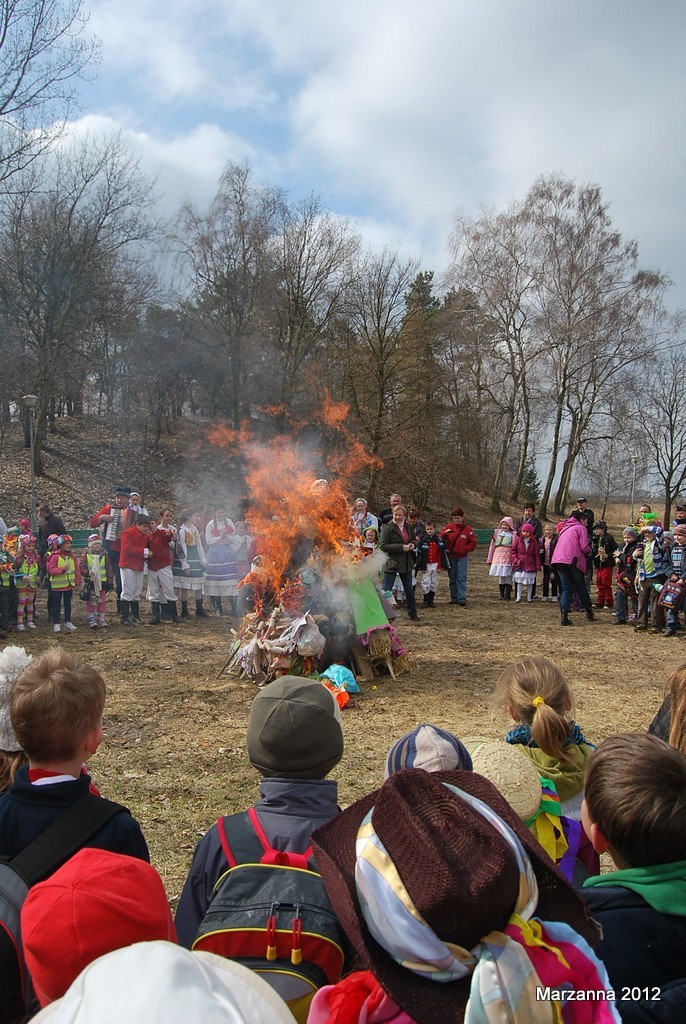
[[65, 577], [27, 569]]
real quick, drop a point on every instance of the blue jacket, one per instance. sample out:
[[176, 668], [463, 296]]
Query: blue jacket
[[27, 810], [289, 811]]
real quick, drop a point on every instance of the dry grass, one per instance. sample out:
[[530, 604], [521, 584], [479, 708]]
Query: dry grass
[[174, 750]]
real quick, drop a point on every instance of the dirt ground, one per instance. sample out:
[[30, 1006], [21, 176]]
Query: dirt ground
[[174, 749]]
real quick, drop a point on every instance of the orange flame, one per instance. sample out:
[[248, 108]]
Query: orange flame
[[299, 500]]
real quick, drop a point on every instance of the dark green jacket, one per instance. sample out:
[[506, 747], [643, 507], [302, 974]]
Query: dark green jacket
[[391, 543]]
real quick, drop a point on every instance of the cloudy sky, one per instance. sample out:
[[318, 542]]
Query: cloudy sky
[[401, 114]]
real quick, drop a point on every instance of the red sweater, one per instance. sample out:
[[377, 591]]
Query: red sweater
[[132, 544], [162, 555]]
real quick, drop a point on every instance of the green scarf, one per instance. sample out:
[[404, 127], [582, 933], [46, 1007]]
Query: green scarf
[[662, 886]]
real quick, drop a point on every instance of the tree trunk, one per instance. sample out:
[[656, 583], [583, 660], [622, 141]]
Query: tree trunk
[[552, 470]]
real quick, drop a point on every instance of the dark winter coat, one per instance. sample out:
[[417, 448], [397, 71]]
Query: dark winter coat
[[640, 946], [533, 521], [607, 544], [391, 543], [26, 811]]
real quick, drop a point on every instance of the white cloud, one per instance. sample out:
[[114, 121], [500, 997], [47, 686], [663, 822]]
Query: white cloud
[[399, 113]]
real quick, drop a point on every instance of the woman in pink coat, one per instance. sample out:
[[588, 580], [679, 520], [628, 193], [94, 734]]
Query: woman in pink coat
[[526, 561], [569, 559]]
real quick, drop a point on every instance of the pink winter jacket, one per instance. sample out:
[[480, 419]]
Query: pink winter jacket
[[572, 545], [526, 559]]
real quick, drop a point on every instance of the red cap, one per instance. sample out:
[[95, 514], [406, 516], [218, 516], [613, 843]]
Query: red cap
[[95, 903]]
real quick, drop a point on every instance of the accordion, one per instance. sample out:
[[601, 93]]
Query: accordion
[[114, 528]]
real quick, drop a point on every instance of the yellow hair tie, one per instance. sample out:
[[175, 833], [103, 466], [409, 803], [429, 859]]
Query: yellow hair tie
[[537, 701]]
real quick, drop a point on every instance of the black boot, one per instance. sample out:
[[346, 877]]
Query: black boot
[[426, 602], [233, 602], [218, 610], [432, 597], [184, 610], [564, 618], [200, 611], [124, 609], [164, 611], [508, 591], [501, 588], [155, 617], [171, 611], [119, 609], [589, 614], [136, 613]]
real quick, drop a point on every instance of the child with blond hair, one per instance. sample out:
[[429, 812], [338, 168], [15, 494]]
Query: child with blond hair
[[537, 696]]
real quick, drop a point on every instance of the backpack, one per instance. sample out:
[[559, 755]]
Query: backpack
[[672, 594], [46, 854], [270, 912]]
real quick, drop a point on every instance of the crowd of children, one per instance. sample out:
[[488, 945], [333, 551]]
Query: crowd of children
[[429, 899], [642, 580], [135, 555]]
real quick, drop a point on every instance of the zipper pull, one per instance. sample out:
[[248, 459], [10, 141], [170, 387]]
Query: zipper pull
[[296, 931], [271, 932]]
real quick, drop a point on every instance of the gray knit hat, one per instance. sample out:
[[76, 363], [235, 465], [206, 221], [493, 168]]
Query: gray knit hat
[[13, 661], [294, 730]]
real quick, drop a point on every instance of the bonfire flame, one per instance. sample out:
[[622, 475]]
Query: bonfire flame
[[299, 502]]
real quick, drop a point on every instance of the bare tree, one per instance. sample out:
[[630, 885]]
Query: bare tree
[[595, 312], [494, 259], [662, 411], [45, 49], [313, 254], [71, 261], [378, 372], [229, 260]]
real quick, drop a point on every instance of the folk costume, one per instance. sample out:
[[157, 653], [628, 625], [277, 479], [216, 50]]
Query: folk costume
[[160, 575], [122, 519], [500, 556], [221, 578], [526, 561], [188, 569]]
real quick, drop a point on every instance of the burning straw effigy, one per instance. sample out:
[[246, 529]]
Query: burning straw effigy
[[310, 599]]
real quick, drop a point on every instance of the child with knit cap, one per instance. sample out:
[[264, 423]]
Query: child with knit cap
[[294, 740], [28, 567], [65, 577], [96, 568], [97, 902]]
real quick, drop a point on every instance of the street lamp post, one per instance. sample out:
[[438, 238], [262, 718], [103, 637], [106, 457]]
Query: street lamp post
[[31, 401], [634, 459]]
